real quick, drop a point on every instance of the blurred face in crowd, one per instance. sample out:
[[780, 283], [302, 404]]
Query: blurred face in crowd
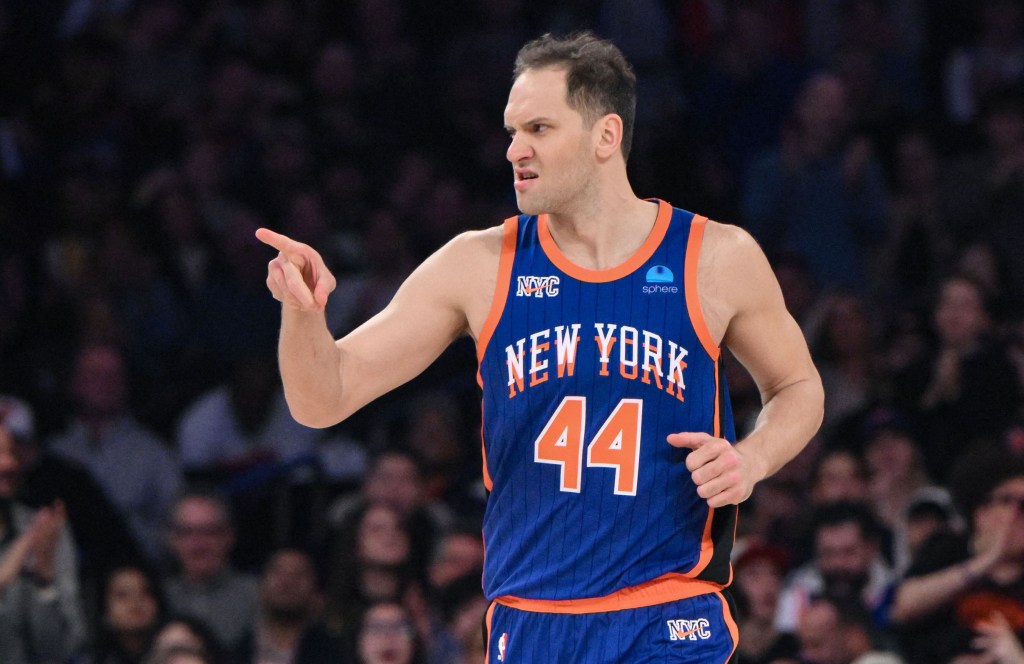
[[848, 330], [131, 605], [761, 582], [201, 537], [844, 557], [960, 316], [99, 382], [819, 634], [289, 590], [386, 636], [892, 454], [821, 111], [1004, 509], [395, 481], [381, 538], [840, 476], [10, 464]]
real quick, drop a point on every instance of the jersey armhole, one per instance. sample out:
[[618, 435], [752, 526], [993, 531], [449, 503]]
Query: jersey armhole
[[501, 286], [693, 247]]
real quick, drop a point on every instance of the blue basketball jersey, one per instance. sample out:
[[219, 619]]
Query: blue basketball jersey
[[584, 374]]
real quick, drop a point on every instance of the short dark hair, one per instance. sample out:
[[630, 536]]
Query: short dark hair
[[842, 512], [599, 79]]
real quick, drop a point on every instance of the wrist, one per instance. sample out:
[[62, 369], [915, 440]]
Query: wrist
[[969, 575]]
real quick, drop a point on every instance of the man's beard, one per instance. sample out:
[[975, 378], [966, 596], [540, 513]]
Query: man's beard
[[845, 584]]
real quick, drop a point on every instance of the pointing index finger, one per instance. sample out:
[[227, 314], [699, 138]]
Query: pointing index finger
[[280, 242]]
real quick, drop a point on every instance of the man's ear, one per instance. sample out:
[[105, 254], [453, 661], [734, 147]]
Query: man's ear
[[608, 135]]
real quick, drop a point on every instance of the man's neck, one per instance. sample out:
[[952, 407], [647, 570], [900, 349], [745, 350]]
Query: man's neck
[[606, 232]]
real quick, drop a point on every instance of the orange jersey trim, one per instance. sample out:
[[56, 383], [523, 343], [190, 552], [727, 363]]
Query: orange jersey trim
[[501, 286], [693, 246], [487, 622], [630, 265], [669, 587]]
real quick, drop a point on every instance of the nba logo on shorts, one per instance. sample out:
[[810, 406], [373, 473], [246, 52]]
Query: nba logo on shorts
[[502, 644]]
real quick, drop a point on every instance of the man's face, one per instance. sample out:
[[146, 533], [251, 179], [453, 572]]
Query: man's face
[[844, 557], [820, 642], [395, 481], [201, 537], [1003, 513], [552, 149], [99, 382], [289, 585]]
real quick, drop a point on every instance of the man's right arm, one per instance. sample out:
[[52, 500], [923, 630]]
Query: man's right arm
[[326, 380]]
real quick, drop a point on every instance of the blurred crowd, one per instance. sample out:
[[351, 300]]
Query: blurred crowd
[[159, 504]]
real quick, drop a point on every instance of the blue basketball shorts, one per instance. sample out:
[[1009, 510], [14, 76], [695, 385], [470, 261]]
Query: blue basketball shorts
[[696, 630]]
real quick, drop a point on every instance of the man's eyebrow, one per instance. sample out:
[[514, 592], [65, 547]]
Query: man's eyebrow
[[541, 119]]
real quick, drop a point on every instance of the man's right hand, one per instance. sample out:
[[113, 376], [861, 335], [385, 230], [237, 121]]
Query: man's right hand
[[298, 277]]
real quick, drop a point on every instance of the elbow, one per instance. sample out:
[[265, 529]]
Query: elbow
[[817, 400], [314, 416]]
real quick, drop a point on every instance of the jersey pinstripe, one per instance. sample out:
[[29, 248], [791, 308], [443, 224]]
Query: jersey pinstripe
[[584, 373]]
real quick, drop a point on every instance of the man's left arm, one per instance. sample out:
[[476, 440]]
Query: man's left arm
[[743, 306]]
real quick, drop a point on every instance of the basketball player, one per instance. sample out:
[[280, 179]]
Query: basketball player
[[599, 318]]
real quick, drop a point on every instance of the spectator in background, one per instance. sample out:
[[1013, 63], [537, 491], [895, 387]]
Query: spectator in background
[[953, 585], [930, 515], [41, 619], [965, 389], [206, 585], [821, 194], [997, 642], [100, 532], [288, 627], [134, 467], [386, 636], [925, 219], [839, 474], [457, 638], [845, 355], [896, 476], [847, 563], [741, 101], [1002, 217], [395, 480], [759, 573], [186, 632], [242, 424], [459, 551], [372, 560], [839, 630], [996, 58], [130, 613]]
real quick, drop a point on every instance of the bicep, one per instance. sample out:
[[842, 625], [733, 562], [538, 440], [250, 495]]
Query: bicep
[[762, 334]]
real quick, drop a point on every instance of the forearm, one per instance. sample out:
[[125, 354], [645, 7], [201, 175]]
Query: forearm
[[11, 562], [310, 364], [788, 420], [922, 595]]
